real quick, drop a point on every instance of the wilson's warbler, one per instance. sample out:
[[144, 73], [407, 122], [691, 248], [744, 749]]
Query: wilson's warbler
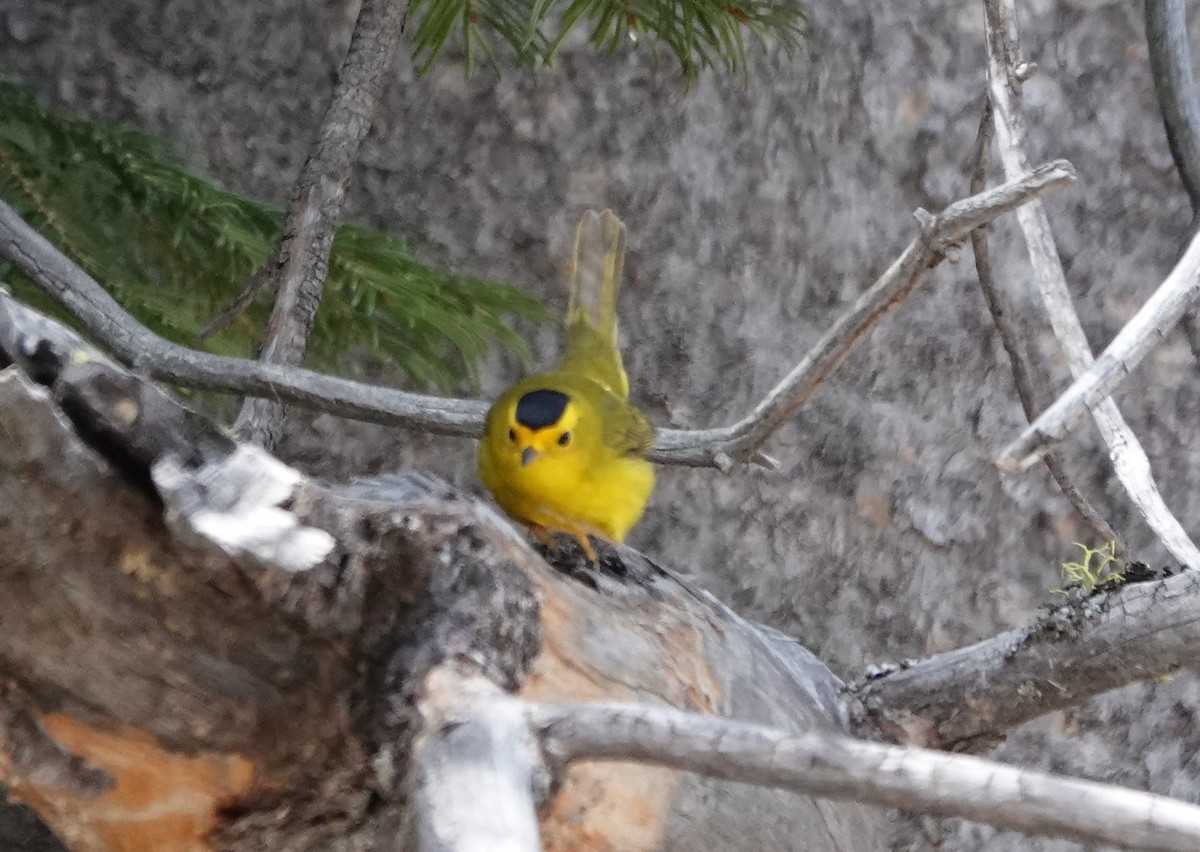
[[564, 450]]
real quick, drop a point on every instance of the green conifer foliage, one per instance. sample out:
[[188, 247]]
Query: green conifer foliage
[[173, 249], [701, 34]]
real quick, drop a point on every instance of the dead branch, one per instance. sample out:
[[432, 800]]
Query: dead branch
[[301, 259], [1175, 86], [1091, 387], [1006, 70], [830, 764], [1011, 340], [969, 697], [936, 234], [137, 346]]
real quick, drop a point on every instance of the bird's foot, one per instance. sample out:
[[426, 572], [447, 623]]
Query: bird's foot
[[581, 535]]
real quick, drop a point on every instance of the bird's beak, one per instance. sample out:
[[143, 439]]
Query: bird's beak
[[527, 455]]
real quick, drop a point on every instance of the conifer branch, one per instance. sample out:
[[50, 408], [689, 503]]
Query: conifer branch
[[185, 245], [701, 34]]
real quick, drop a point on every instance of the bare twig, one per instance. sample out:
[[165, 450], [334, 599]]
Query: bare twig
[[1175, 85], [302, 256], [829, 764], [975, 694], [1141, 334], [740, 440], [1011, 339], [137, 346], [234, 309], [1179, 104], [1005, 73]]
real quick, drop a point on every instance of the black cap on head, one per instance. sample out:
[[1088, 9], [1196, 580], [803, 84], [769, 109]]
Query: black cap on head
[[541, 408]]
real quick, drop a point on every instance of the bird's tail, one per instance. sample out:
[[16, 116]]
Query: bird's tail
[[592, 313]]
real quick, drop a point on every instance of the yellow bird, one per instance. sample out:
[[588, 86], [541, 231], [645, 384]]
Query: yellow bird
[[565, 450]]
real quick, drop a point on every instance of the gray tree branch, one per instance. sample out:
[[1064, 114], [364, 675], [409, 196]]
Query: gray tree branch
[[301, 259], [936, 234], [157, 358], [970, 696], [1092, 386], [1175, 86], [1010, 338], [241, 618], [1006, 71], [266, 660], [825, 763]]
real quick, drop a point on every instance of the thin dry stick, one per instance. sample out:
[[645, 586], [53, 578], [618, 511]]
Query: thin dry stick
[[1141, 334], [739, 441], [1011, 341], [301, 258], [1005, 74], [1175, 86], [830, 764], [135, 345], [257, 280], [1179, 103]]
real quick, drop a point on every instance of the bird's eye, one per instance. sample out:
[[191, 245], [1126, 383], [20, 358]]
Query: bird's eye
[[512, 435], [564, 439]]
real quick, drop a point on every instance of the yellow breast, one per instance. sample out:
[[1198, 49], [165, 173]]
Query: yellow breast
[[557, 465], [600, 493]]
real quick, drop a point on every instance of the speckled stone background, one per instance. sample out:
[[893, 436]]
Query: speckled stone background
[[756, 215]]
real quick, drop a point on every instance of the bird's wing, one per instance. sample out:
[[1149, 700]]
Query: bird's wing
[[626, 429]]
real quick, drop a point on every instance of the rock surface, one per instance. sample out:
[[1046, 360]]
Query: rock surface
[[756, 215]]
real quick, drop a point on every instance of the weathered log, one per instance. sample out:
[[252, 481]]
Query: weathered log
[[201, 648]]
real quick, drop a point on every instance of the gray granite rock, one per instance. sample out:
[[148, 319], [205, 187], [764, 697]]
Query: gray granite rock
[[756, 215]]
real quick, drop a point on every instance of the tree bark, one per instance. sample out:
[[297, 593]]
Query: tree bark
[[967, 698], [219, 683]]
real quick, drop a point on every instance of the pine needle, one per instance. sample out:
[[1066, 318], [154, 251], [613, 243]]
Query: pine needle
[[702, 34]]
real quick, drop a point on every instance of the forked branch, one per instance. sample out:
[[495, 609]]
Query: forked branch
[[135, 345], [1091, 387], [936, 234], [1006, 72], [484, 760], [1010, 337]]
